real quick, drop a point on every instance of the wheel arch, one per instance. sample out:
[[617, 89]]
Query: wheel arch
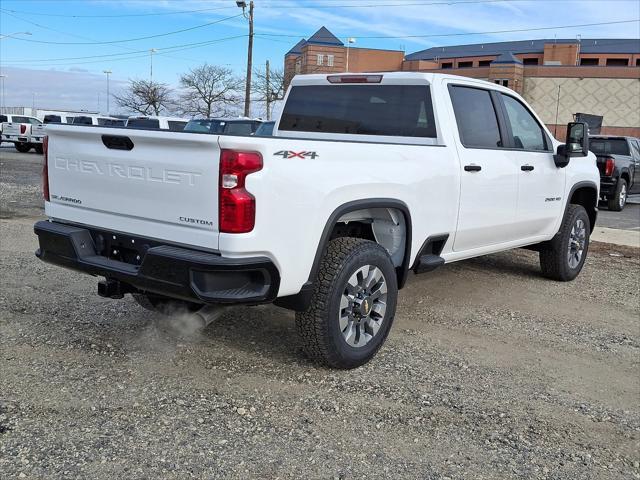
[[585, 194], [301, 300]]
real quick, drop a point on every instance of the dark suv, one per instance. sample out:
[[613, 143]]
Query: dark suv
[[619, 165]]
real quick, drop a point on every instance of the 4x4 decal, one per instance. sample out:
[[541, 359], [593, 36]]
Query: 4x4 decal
[[292, 154]]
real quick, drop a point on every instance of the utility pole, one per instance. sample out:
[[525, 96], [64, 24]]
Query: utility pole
[[151, 52], [2, 105], [268, 92], [350, 40], [107, 72], [247, 91]]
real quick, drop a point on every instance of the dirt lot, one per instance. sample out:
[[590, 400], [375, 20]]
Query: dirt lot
[[490, 371]]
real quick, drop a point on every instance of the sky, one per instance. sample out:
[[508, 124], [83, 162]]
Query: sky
[[60, 65]]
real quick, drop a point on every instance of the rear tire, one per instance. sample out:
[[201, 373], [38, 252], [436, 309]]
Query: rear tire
[[23, 147], [563, 257], [618, 200], [353, 304]]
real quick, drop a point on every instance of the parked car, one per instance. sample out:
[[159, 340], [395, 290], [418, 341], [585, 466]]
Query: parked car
[[618, 160], [175, 124], [379, 175], [265, 129], [17, 129], [227, 126]]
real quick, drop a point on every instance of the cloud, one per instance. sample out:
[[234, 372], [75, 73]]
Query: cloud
[[72, 89]]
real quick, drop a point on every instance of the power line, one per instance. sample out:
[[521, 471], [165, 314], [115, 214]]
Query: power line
[[131, 39], [288, 5], [146, 54], [435, 35]]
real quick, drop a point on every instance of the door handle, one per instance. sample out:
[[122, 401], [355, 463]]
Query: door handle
[[526, 168], [472, 168]]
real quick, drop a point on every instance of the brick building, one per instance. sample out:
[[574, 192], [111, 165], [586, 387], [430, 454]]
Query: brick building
[[558, 77]]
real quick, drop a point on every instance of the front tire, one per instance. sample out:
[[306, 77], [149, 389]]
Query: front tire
[[353, 304], [23, 147], [563, 257], [618, 200]]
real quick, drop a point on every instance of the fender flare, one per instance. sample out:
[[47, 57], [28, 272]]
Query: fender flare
[[576, 186], [300, 301]]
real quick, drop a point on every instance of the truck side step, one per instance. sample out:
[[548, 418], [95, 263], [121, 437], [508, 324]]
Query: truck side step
[[428, 263]]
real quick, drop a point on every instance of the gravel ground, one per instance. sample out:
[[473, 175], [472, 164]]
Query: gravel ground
[[489, 372]]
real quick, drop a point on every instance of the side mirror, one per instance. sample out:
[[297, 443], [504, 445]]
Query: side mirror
[[576, 144]]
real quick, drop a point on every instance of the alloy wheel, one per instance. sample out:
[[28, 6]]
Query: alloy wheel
[[363, 305]]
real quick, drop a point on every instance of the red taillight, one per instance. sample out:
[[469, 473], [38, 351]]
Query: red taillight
[[237, 207], [23, 129], [354, 78], [609, 166], [45, 168]]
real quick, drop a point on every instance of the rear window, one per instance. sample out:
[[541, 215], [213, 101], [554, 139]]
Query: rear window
[[265, 129], [144, 123], [175, 126], [609, 146], [52, 119], [240, 128], [17, 119], [390, 110]]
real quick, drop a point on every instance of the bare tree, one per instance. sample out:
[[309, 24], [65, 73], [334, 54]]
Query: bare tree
[[146, 97], [209, 90], [269, 87]]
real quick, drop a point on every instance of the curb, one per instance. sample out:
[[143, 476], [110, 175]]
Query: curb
[[627, 238]]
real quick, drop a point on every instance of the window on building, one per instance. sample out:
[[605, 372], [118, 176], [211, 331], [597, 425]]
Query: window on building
[[476, 117], [589, 61], [319, 59], [530, 61], [298, 66], [330, 60], [502, 81], [389, 110], [447, 65], [484, 63], [527, 132], [465, 64], [637, 62], [617, 62]]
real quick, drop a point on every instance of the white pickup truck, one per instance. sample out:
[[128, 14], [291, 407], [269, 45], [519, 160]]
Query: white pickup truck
[[367, 178], [18, 129]]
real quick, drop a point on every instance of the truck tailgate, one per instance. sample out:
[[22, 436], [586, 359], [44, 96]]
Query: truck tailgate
[[157, 184]]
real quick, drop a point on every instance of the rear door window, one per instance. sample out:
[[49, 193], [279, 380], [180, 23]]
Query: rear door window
[[19, 119], [176, 126], [82, 120], [3, 118], [389, 110], [476, 117], [52, 119], [151, 123]]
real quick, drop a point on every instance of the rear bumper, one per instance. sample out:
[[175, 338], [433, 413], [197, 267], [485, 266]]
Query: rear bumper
[[149, 266], [607, 187]]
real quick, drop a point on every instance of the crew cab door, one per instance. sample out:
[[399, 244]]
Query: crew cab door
[[489, 176], [540, 182], [635, 155]]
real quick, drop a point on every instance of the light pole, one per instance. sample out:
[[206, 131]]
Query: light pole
[[33, 104], [152, 51], [350, 40], [107, 72], [11, 35], [2, 77], [247, 90]]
